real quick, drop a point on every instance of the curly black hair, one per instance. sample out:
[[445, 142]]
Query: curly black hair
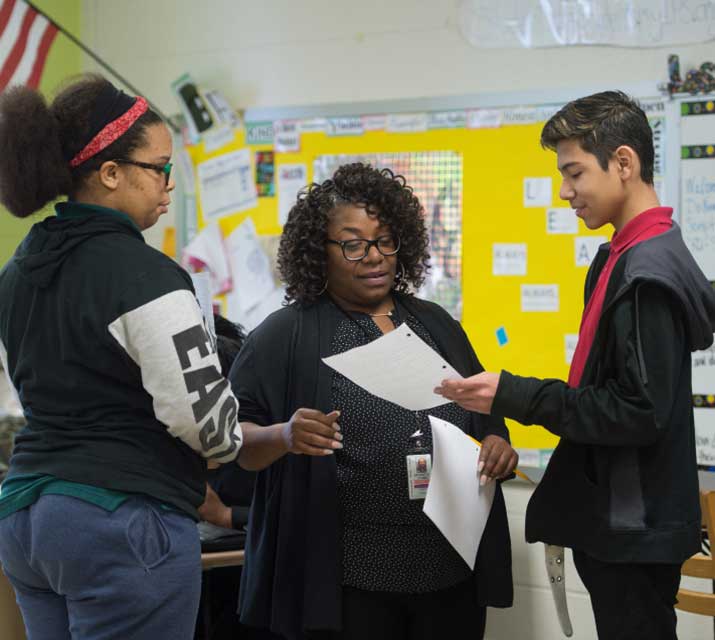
[[37, 141], [302, 260]]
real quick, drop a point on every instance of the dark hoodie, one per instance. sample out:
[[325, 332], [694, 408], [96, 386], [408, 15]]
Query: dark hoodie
[[622, 484], [105, 344]]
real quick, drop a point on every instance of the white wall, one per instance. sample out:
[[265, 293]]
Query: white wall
[[293, 52], [533, 616], [268, 53]]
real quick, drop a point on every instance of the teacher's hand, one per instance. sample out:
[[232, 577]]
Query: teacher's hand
[[312, 432], [474, 394], [497, 459]]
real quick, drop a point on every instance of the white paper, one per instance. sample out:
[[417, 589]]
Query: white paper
[[291, 179], [251, 267], [484, 118], [561, 220], [705, 436], [207, 250], [537, 192], [227, 185], [530, 458], [252, 317], [398, 367], [221, 109], [570, 342], [539, 297], [374, 122], [697, 207], [350, 126], [509, 259], [202, 286], [286, 136], [406, 122], [528, 115], [447, 120], [313, 125], [455, 502], [585, 249], [703, 363], [218, 137]]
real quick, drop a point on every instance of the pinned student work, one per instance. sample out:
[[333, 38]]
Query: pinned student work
[[398, 367]]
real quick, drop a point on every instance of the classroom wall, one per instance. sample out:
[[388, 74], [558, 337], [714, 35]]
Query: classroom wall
[[284, 52], [63, 60], [279, 53]]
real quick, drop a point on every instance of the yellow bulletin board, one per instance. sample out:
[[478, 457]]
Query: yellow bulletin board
[[496, 162]]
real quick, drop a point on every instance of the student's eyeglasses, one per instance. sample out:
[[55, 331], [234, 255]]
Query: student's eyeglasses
[[355, 250], [159, 168]]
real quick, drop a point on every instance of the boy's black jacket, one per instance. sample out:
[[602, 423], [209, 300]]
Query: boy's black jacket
[[622, 484]]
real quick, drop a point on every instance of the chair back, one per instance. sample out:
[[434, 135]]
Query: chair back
[[701, 565]]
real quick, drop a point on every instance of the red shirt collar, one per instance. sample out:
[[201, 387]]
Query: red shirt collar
[[639, 225]]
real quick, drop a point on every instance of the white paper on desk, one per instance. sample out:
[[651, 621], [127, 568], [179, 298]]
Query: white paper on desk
[[207, 250], [455, 502], [398, 367], [251, 267]]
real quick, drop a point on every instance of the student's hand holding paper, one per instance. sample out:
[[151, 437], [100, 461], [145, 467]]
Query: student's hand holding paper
[[474, 394], [497, 459], [312, 432]]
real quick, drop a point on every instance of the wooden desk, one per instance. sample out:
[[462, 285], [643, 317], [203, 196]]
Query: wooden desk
[[217, 559], [214, 560]]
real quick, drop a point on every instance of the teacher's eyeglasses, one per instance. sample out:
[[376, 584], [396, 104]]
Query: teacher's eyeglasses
[[355, 250]]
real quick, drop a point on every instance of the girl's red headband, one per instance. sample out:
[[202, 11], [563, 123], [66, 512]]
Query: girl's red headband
[[111, 132]]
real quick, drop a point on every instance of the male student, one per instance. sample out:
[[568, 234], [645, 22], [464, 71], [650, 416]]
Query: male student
[[621, 488]]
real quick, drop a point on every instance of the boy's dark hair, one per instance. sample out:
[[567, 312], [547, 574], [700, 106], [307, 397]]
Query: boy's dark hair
[[38, 141], [229, 340], [601, 123]]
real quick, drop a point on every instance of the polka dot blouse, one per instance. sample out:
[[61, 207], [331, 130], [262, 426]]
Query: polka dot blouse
[[389, 544]]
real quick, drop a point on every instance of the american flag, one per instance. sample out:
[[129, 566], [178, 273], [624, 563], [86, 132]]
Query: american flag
[[25, 39]]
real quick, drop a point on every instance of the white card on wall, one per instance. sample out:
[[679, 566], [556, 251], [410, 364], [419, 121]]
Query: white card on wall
[[537, 192], [570, 342], [539, 297], [704, 435], [561, 220], [585, 249], [509, 259], [286, 136], [291, 179]]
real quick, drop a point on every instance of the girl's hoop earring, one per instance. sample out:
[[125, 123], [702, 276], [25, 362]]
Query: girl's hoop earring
[[324, 289]]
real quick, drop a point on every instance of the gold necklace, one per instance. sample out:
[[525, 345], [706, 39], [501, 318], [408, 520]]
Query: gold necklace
[[380, 315]]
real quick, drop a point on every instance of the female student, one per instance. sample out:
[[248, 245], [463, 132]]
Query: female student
[[104, 342]]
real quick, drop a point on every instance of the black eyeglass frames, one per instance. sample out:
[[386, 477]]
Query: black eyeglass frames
[[159, 168], [355, 250]]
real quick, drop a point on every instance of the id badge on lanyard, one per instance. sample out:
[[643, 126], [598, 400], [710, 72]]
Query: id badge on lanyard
[[419, 466]]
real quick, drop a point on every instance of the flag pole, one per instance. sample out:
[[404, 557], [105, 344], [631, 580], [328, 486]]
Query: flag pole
[[102, 63]]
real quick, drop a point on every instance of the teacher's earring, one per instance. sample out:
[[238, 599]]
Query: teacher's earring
[[324, 289]]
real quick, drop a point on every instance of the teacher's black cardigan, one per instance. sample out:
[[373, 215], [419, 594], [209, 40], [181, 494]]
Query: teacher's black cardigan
[[291, 581]]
